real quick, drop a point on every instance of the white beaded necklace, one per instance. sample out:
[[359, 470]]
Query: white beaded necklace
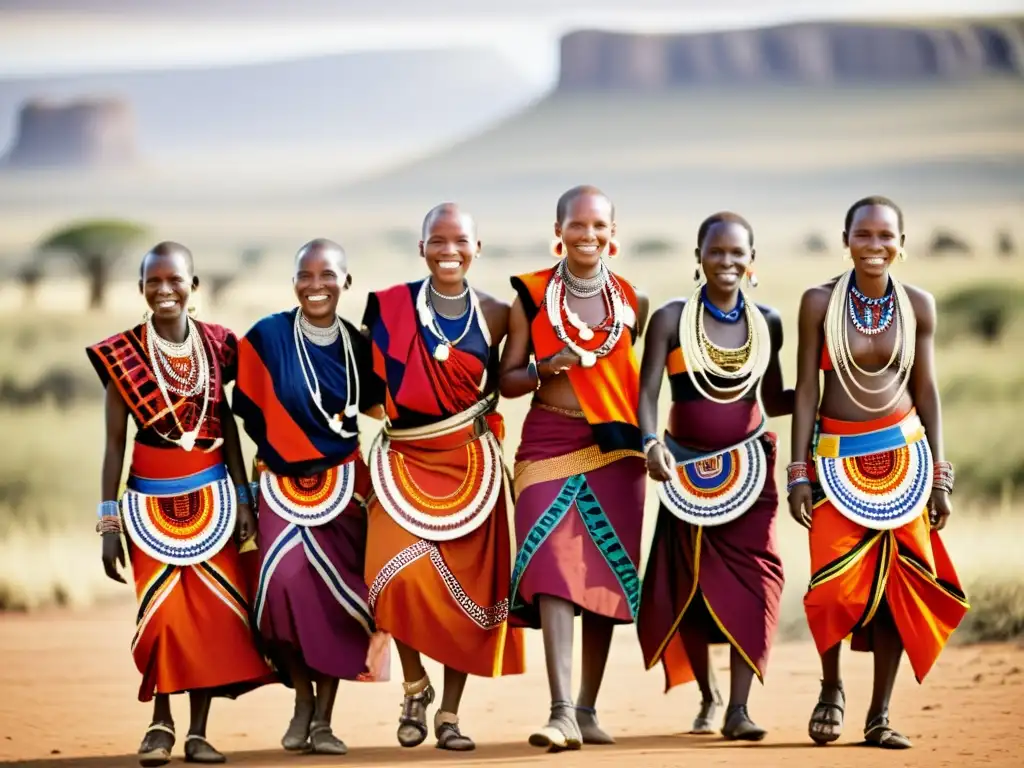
[[428, 320], [837, 341], [197, 353], [313, 383], [622, 316], [698, 361]]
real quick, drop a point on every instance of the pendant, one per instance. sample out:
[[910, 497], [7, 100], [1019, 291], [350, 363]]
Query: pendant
[[187, 440], [441, 352], [351, 411], [588, 359], [335, 424], [586, 334]]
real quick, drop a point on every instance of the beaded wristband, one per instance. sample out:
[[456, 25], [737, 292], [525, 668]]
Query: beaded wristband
[[794, 483], [943, 476], [108, 509], [254, 492], [242, 492], [649, 441], [108, 524]]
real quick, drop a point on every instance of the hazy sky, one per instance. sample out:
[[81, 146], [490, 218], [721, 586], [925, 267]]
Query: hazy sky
[[37, 40]]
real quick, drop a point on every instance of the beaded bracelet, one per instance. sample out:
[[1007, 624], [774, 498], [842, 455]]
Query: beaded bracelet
[[109, 524], [943, 476], [796, 474], [108, 509], [242, 492], [649, 441]]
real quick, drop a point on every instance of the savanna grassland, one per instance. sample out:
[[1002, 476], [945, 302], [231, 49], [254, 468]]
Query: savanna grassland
[[790, 160]]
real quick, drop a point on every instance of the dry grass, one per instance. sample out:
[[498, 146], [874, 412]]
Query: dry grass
[[788, 160]]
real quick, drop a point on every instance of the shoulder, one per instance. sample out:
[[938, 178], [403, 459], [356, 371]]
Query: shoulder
[[272, 320], [670, 312], [922, 301], [770, 314], [532, 281], [492, 304], [217, 333], [815, 299], [117, 338], [397, 290]]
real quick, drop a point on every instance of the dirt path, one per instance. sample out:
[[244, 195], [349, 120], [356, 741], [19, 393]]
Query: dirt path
[[68, 686]]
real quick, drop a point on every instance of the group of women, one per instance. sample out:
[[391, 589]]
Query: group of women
[[305, 570]]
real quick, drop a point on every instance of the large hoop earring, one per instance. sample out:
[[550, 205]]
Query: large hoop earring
[[696, 274], [557, 248], [613, 249], [903, 255], [752, 277]]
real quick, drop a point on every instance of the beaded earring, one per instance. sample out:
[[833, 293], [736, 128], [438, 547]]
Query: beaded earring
[[557, 248], [696, 275], [613, 249], [903, 255], [752, 277]]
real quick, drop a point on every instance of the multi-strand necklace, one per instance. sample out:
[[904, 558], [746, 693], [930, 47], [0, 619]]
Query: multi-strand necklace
[[837, 340], [305, 330], [872, 316], [428, 318], [163, 354], [619, 314], [746, 365]]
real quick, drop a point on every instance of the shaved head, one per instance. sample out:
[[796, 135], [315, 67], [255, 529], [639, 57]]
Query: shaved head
[[443, 210], [166, 249], [323, 247]]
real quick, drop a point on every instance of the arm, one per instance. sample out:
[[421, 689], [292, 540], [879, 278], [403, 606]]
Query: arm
[[652, 370], [924, 391], [643, 305], [515, 378], [110, 478], [245, 525], [778, 401], [811, 337], [808, 392]]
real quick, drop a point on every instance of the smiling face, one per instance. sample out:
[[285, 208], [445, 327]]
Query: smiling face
[[167, 283], [874, 239], [725, 255], [585, 231], [449, 246], [321, 274]]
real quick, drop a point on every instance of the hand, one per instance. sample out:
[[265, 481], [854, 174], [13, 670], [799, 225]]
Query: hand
[[245, 523], [113, 553], [939, 509], [660, 463], [558, 362], [801, 504], [378, 655]]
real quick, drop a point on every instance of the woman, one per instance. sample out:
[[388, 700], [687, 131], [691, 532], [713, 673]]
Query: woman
[[876, 492], [579, 473], [714, 574], [182, 512], [438, 555], [298, 395]]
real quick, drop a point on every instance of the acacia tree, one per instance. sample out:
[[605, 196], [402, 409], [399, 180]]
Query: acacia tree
[[96, 246]]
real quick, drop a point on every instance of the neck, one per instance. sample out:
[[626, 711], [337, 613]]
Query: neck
[[173, 330], [724, 300], [583, 273], [448, 289], [873, 287], [321, 322]]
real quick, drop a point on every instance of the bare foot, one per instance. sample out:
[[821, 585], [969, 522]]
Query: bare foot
[[591, 731]]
